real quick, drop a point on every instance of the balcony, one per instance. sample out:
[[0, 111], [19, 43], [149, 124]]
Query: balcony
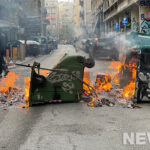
[[117, 8]]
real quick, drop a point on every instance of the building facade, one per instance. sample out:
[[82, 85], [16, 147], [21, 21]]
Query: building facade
[[83, 16], [87, 16], [77, 19], [9, 21], [120, 15], [66, 20], [53, 17], [66, 13], [32, 17]]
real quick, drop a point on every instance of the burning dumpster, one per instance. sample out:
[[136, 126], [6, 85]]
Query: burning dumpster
[[136, 69], [63, 84]]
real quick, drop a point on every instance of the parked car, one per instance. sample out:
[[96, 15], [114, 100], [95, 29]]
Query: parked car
[[106, 48], [32, 47], [55, 44], [52, 44], [45, 49]]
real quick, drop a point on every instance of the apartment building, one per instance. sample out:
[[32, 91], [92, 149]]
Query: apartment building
[[135, 12], [87, 15], [77, 19], [98, 27], [66, 13], [53, 17]]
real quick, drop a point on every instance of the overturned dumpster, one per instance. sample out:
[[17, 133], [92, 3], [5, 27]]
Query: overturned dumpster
[[64, 83]]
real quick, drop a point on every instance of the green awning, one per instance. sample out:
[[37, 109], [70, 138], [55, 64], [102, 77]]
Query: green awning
[[139, 40]]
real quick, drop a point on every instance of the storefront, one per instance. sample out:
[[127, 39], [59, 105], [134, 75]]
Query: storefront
[[9, 29], [144, 18]]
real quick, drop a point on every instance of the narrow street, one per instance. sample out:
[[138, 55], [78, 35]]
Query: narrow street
[[71, 126]]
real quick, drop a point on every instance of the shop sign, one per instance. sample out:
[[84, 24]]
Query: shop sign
[[125, 21]]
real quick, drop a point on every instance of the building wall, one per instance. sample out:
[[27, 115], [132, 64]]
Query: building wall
[[87, 14], [66, 20], [31, 7], [66, 13], [52, 15], [77, 13], [115, 10], [97, 17]]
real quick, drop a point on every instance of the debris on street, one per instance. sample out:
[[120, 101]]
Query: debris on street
[[105, 90], [10, 93], [108, 91], [13, 96]]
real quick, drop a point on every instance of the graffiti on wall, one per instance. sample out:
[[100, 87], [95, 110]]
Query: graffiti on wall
[[145, 26], [135, 25]]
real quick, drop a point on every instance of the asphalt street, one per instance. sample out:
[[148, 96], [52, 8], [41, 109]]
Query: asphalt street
[[73, 126]]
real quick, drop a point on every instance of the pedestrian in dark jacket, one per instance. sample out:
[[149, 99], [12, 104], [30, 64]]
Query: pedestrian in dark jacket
[[3, 66]]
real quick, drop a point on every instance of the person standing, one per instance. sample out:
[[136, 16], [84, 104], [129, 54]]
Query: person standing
[[3, 65]]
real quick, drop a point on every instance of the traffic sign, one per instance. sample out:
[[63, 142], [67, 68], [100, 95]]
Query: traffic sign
[[125, 21]]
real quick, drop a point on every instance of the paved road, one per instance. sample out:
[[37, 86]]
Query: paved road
[[70, 126]]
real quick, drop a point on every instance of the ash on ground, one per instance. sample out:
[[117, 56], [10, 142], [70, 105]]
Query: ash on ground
[[108, 93], [13, 97]]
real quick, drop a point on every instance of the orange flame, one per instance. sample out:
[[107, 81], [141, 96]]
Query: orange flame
[[86, 79], [116, 66], [8, 82], [103, 83], [129, 90], [44, 72], [27, 89]]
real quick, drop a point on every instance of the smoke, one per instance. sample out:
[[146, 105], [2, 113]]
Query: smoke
[[121, 43], [79, 32]]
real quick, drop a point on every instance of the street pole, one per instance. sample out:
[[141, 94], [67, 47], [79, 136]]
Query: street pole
[[139, 18], [42, 8]]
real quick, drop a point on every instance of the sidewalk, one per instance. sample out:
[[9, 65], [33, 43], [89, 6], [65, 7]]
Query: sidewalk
[[12, 65]]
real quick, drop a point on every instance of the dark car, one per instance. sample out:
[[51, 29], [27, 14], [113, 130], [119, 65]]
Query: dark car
[[106, 48], [32, 47], [51, 44], [45, 49], [55, 44]]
